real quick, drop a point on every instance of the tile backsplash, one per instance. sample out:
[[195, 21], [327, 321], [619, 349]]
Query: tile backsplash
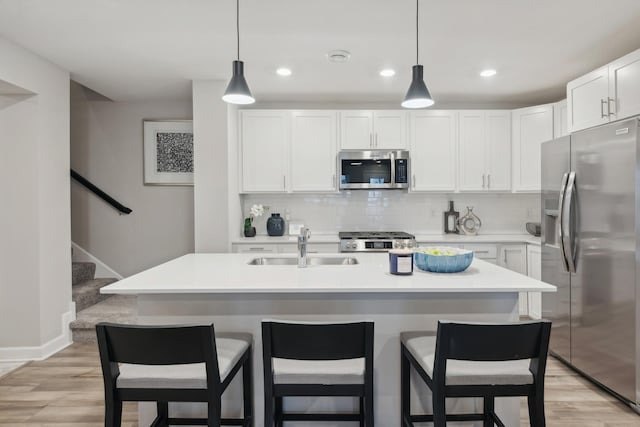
[[395, 211]]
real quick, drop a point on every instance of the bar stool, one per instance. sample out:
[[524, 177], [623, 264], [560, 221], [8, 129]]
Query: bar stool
[[173, 364], [314, 359], [476, 360]]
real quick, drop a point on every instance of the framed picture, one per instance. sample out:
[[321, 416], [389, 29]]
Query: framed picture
[[168, 152]]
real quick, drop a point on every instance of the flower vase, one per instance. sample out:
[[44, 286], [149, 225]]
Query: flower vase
[[249, 229]]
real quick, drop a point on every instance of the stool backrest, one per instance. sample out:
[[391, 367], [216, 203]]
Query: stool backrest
[[492, 342], [156, 345], [309, 341]]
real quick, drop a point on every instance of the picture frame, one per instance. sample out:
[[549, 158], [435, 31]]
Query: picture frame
[[168, 152]]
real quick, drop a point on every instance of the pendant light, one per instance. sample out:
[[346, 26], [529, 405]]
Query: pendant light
[[418, 95], [238, 91]]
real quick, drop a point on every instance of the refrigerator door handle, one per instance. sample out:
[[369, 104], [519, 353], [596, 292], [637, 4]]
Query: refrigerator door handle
[[563, 189], [565, 220]]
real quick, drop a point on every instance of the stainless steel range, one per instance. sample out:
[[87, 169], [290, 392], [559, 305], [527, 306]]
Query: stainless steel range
[[375, 241]]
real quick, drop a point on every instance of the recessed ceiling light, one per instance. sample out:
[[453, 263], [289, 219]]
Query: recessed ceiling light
[[388, 72], [283, 72], [338, 56], [488, 73]]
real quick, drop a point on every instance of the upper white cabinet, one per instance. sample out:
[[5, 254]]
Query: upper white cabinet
[[433, 136], [609, 93], [484, 150], [531, 127], [313, 150], [264, 143], [385, 129], [560, 119]]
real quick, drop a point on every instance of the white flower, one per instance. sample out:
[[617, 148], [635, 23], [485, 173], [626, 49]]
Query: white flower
[[257, 210]]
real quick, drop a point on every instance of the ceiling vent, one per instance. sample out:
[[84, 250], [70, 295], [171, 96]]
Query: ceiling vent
[[338, 56]]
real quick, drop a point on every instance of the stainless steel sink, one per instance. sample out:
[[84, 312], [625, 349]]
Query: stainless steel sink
[[310, 261]]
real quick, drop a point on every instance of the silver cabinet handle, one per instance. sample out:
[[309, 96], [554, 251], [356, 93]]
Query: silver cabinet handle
[[284, 182], [488, 180], [611, 111], [602, 103], [371, 140], [414, 181], [333, 181], [375, 144], [482, 180]]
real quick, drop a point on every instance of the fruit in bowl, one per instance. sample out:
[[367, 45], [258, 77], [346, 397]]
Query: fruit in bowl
[[442, 259]]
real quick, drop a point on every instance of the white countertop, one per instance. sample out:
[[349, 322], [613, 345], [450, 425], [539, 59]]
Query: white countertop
[[427, 238], [230, 274]]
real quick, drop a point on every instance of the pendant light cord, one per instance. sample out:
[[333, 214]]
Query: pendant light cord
[[417, 34], [238, 28]]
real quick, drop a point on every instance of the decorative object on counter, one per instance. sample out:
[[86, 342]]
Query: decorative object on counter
[[534, 228], [470, 223], [256, 211], [168, 152], [451, 218], [442, 259], [275, 225], [401, 262]]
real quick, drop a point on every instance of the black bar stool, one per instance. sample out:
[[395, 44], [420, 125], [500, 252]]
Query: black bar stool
[[311, 359], [476, 360], [173, 364]]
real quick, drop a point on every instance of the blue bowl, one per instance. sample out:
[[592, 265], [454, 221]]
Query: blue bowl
[[443, 263]]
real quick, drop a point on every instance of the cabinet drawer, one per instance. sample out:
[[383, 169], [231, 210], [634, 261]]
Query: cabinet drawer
[[248, 248], [483, 251]]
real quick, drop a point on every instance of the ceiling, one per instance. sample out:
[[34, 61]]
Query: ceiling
[[152, 49]]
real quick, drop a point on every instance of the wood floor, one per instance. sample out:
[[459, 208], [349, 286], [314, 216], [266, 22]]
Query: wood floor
[[66, 391]]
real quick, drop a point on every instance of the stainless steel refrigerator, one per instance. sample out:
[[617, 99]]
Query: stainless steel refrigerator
[[590, 223]]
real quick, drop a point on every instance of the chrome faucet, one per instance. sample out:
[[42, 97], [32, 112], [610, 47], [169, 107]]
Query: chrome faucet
[[303, 239]]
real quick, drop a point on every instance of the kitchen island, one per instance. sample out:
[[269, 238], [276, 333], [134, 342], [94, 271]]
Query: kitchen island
[[226, 290]]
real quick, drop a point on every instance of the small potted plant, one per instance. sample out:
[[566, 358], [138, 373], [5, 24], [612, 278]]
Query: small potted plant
[[249, 229]]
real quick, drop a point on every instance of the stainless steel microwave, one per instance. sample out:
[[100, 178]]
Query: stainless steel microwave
[[373, 169]]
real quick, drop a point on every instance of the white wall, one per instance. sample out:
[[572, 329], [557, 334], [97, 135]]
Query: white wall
[[35, 256], [107, 149], [396, 210]]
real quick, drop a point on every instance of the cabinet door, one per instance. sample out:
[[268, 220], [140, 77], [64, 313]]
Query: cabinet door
[[471, 151], [514, 257], [498, 143], [531, 127], [313, 151], [390, 129], [534, 270], [587, 100], [356, 130], [624, 86], [560, 119], [264, 138], [433, 150]]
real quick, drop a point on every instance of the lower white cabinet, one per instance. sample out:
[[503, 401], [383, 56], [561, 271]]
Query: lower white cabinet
[[534, 270], [514, 257], [254, 248], [284, 248]]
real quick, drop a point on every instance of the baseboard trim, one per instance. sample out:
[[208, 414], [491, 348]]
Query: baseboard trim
[[25, 354]]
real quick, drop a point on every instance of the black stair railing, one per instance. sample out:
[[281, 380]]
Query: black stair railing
[[98, 192]]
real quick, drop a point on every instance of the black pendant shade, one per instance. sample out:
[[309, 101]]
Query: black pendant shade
[[238, 91], [418, 95]]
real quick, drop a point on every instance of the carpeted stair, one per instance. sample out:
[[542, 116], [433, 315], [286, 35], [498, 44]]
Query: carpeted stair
[[85, 291], [117, 309]]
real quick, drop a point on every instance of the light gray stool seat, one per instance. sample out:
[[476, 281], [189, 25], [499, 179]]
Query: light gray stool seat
[[192, 375], [462, 372], [327, 372]]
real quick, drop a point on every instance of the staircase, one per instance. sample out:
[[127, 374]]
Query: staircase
[[93, 307]]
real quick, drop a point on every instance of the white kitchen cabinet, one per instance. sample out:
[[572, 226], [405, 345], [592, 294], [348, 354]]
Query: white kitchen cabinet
[[534, 270], [560, 119], [587, 100], [624, 86], [484, 251], [313, 151], [433, 136], [531, 127], [366, 130], [484, 150], [514, 257], [260, 248], [264, 143], [609, 93]]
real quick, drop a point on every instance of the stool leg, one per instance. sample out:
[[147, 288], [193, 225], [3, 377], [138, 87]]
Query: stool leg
[[247, 391], [361, 400], [268, 407], [405, 389], [214, 412], [489, 407], [112, 412], [536, 408], [279, 411], [439, 409], [368, 406]]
